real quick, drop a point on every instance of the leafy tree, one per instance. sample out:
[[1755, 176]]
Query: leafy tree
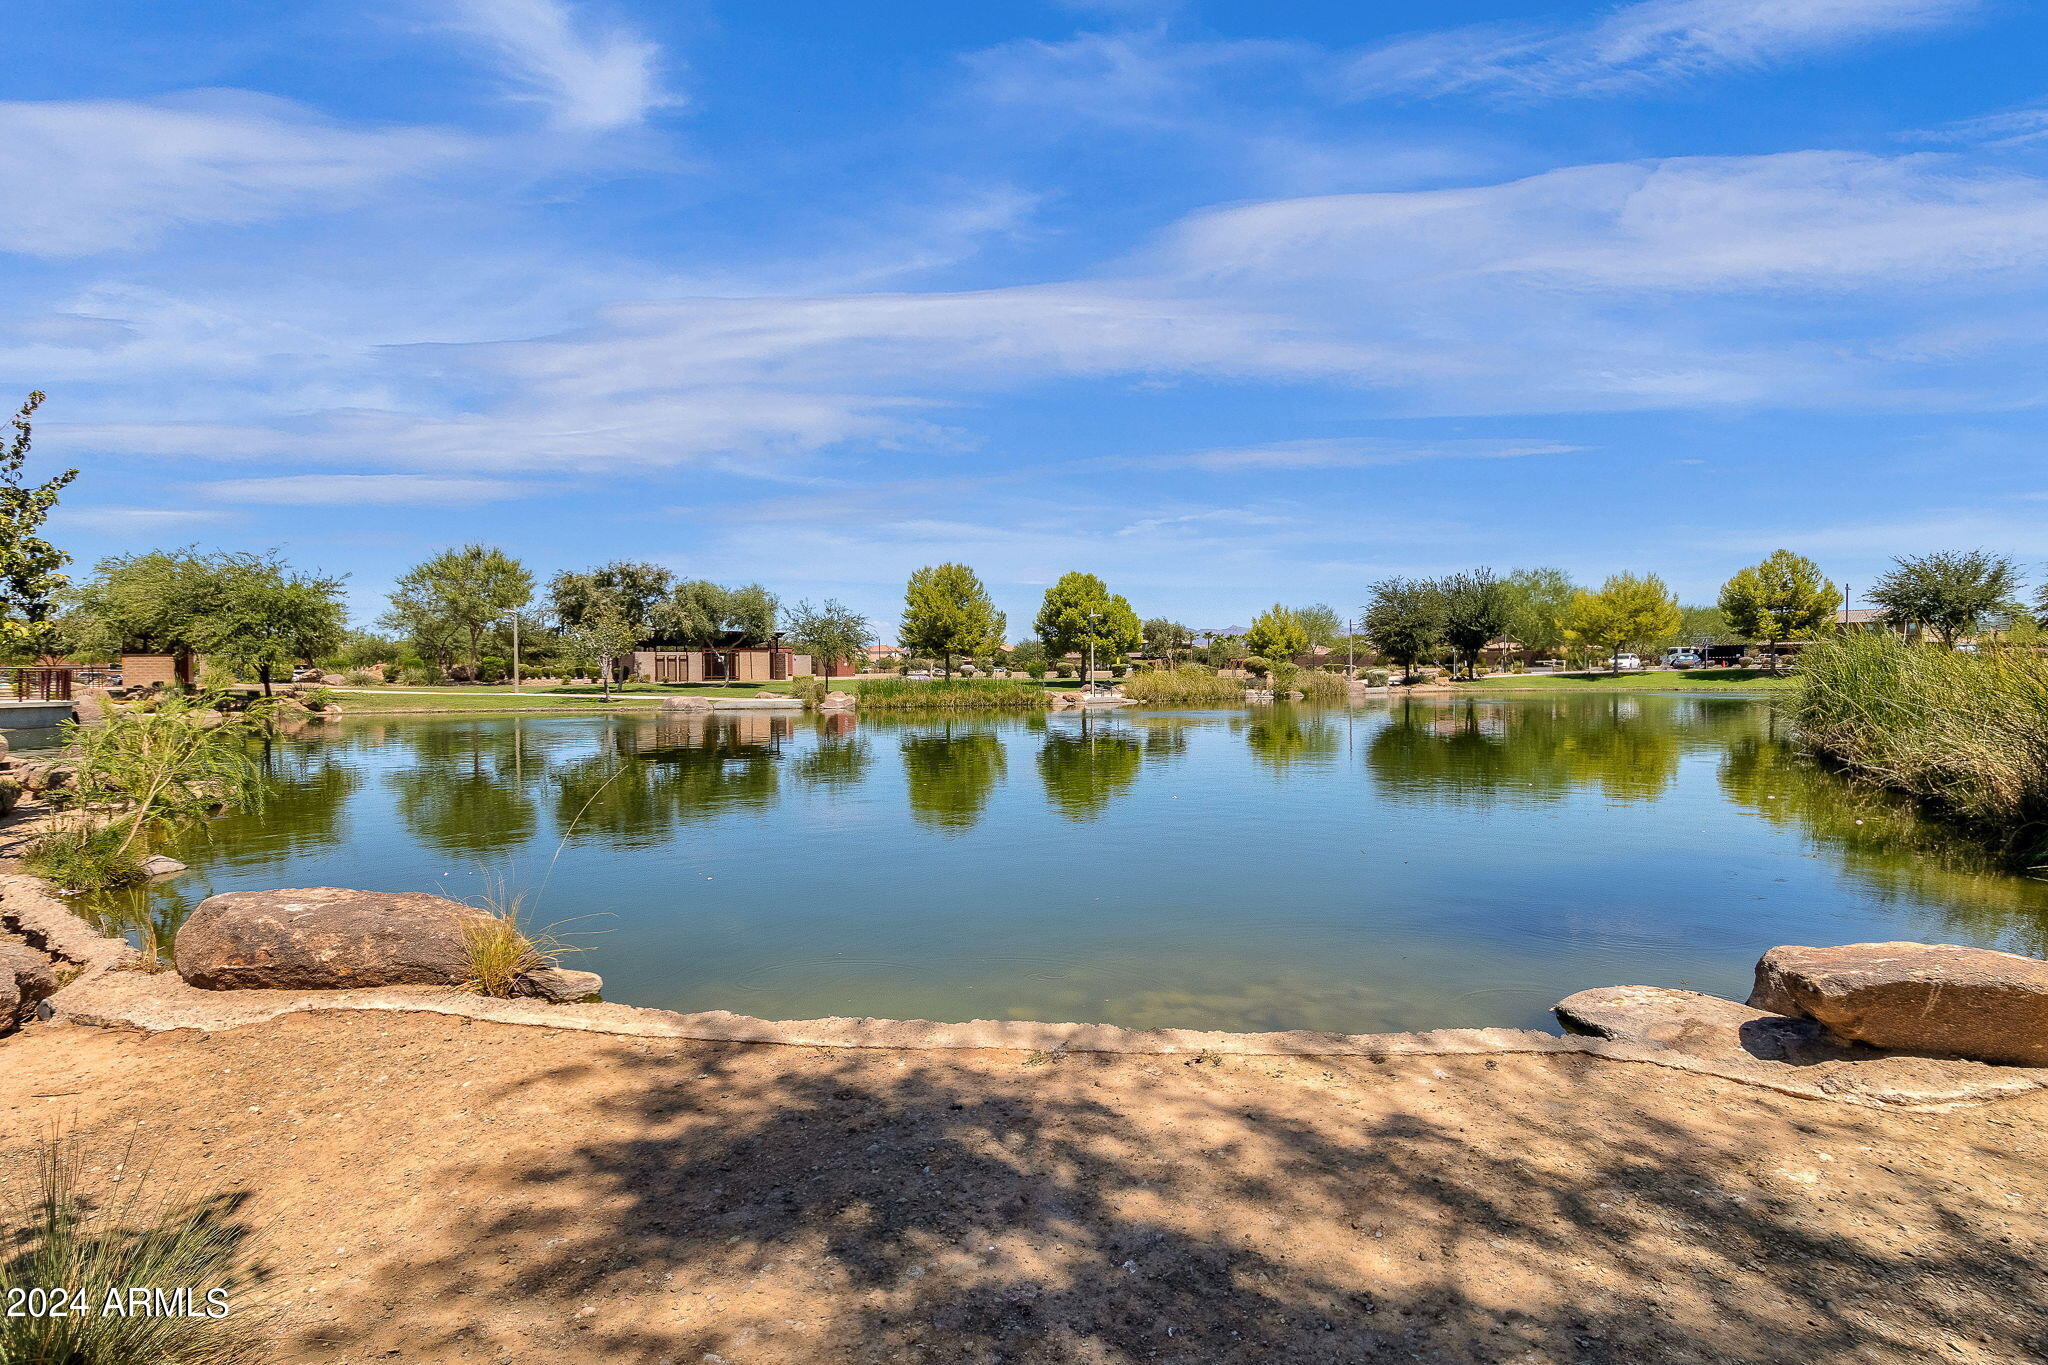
[[638, 588], [252, 613], [1405, 619], [1320, 623], [1028, 655], [30, 577], [1163, 638], [1630, 610], [1706, 626], [1081, 615], [263, 618], [947, 613], [1783, 598], [150, 603], [1539, 605], [1277, 635], [696, 612], [457, 595], [829, 633], [601, 635], [1223, 651], [1477, 609], [1950, 593]]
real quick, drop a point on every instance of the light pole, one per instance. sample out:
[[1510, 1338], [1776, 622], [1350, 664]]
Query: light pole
[[513, 617], [1089, 681]]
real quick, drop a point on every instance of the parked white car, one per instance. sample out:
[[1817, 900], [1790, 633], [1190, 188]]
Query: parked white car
[[1625, 661]]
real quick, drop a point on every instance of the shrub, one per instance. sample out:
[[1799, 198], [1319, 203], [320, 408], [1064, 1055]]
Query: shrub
[[70, 1230], [1065, 670], [956, 694], [1965, 732], [1188, 685], [811, 691], [420, 675], [360, 677], [84, 858], [1316, 684], [1375, 677], [502, 949], [161, 766], [10, 794]]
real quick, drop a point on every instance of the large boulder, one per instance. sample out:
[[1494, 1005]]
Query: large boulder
[[324, 938], [1915, 997], [686, 705]]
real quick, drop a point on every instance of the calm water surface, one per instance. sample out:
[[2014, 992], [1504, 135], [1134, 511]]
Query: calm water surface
[[1402, 865]]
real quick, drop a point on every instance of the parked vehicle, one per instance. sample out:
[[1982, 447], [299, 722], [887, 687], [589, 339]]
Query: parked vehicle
[[1685, 656], [1627, 661]]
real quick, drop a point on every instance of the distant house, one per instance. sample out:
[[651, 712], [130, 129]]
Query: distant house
[[884, 654], [734, 657]]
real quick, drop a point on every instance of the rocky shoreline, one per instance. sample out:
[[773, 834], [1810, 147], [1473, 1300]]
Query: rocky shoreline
[[1907, 1026]]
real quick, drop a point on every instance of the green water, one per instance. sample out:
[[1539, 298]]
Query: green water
[[1400, 865]]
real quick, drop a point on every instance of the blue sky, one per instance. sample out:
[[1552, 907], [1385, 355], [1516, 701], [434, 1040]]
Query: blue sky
[[1224, 302]]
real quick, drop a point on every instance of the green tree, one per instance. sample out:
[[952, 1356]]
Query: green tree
[[698, 611], [31, 577], [155, 602], [263, 618], [638, 588], [829, 633], [1630, 610], [1405, 619], [1164, 638], [1081, 615], [1949, 593], [1783, 598], [602, 635], [457, 595], [1706, 626], [947, 613], [1477, 609], [1277, 635], [1320, 622], [1539, 605]]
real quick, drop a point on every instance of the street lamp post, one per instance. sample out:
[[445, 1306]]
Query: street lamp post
[[513, 616], [1089, 681]]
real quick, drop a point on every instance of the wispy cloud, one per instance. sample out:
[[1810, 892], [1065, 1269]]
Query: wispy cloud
[[364, 490], [138, 521], [1655, 42], [2012, 128], [1350, 452], [591, 75], [86, 176]]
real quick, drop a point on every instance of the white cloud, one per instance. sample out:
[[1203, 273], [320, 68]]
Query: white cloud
[[1809, 279], [364, 490], [136, 521], [592, 77], [1351, 452], [87, 176], [1654, 42]]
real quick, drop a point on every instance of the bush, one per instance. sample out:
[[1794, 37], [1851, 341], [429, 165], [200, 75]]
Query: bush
[[1188, 685], [811, 691], [420, 675], [10, 794], [92, 1235], [1965, 732], [956, 694], [82, 858], [360, 677], [1375, 677], [1316, 684], [493, 670], [1065, 670]]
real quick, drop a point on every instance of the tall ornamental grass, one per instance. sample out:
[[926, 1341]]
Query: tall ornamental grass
[[1967, 733], [951, 694], [77, 1226], [1188, 685]]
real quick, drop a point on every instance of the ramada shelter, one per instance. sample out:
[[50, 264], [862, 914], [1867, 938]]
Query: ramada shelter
[[735, 656]]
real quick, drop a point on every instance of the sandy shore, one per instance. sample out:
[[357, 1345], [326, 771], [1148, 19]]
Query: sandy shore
[[426, 1188]]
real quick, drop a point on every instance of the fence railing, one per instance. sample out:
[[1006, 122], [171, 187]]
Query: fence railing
[[58, 682]]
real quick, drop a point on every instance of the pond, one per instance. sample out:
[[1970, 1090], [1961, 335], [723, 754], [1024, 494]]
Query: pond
[[1400, 865]]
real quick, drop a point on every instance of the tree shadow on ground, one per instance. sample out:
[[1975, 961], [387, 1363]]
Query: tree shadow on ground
[[721, 1205]]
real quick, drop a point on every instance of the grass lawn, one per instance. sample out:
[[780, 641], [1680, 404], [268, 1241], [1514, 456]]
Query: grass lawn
[[1664, 680]]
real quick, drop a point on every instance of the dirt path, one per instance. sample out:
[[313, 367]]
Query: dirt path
[[430, 1189]]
